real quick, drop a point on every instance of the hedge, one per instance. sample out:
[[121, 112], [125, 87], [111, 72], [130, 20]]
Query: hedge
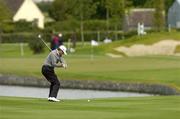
[[20, 26], [47, 36], [21, 37], [74, 25]]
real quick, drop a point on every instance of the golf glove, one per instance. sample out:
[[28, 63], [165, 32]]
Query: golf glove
[[64, 65]]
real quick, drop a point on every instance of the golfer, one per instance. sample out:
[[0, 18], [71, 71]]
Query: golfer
[[54, 59]]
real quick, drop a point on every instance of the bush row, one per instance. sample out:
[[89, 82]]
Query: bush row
[[20, 26], [23, 31], [47, 36], [17, 37], [74, 25], [70, 25]]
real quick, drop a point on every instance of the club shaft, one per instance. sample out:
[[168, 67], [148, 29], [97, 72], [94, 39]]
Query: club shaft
[[45, 44]]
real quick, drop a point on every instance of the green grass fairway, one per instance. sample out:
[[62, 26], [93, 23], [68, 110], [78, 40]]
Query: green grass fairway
[[156, 70], [148, 69], [119, 108]]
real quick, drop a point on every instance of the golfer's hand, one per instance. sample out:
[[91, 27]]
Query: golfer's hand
[[64, 65]]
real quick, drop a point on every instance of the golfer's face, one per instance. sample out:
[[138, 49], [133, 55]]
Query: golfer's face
[[61, 52]]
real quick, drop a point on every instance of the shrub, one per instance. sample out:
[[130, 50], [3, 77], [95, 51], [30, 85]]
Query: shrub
[[7, 27], [63, 25], [95, 25], [36, 46], [20, 26], [74, 25], [24, 37]]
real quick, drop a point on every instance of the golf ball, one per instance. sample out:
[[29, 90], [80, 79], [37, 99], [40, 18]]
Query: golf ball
[[88, 100]]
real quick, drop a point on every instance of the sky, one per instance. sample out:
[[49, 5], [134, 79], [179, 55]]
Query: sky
[[178, 1]]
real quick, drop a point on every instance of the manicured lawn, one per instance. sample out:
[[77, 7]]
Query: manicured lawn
[[149, 69], [118, 108], [157, 69]]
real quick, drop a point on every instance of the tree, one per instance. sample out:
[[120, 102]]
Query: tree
[[128, 4], [5, 12], [159, 16], [73, 9], [168, 4], [44, 6], [4, 15], [115, 11], [149, 3], [101, 9], [58, 10], [139, 3], [83, 10]]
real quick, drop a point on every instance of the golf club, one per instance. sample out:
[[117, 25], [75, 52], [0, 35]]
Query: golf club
[[40, 37]]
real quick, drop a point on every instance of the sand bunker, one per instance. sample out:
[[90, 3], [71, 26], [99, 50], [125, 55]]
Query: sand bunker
[[113, 55], [165, 47]]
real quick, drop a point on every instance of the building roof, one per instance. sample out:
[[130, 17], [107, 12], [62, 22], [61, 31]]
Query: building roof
[[13, 5], [136, 16], [141, 15]]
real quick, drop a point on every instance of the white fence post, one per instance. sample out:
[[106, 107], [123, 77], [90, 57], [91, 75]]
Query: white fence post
[[22, 49]]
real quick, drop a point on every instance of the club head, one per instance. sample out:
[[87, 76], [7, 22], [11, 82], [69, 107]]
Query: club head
[[39, 36]]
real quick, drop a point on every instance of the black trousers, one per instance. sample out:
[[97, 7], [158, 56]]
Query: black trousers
[[49, 74]]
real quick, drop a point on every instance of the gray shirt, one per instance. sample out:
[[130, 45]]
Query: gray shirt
[[53, 59]]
